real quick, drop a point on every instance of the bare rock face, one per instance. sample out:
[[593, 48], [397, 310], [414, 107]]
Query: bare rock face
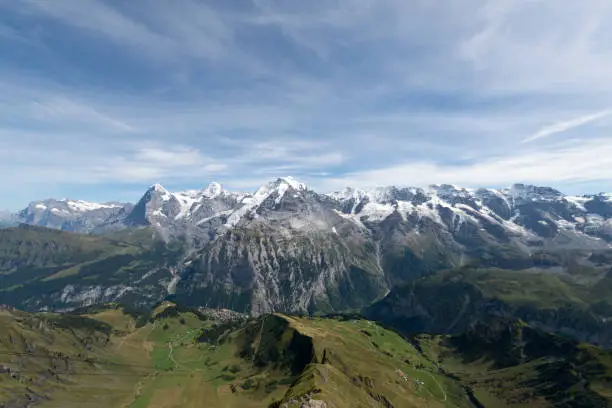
[[311, 403], [292, 253]]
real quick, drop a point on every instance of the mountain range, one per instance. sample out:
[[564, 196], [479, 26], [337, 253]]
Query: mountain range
[[289, 248], [487, 297], [522, 211]]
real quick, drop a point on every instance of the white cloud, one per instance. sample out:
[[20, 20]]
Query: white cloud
[[580, 161], [567, 125], [110, 162], [539, 46]]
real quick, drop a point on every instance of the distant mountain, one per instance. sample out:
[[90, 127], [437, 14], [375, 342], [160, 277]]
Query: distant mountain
[[72, 215], [287, 247], [193, 215], [8, 219], [526, 212]]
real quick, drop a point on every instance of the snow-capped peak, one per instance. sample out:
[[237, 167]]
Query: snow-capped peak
[[158, 188], [296, 185], [278, 187], [449, 190], [213, 190]]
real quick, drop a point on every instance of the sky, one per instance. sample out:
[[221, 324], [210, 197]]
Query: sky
[[101, 98]]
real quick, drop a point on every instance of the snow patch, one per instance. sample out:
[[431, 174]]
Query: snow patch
[[250, 203], [561, 223], [296, 185], [578, 201], [83, 206], [158, 213], [213, 190], [186, 200], [204, 220], [172, 285], [376, 212]]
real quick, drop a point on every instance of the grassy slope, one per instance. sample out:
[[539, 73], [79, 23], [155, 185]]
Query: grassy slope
[[560, 303], [62, 356], [509, 364], [28, 245], [360, 364], [178, 358], [189, 373], [162, 363], [527, 288]]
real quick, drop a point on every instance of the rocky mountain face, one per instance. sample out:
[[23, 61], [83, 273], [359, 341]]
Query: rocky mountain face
[[287, 247]]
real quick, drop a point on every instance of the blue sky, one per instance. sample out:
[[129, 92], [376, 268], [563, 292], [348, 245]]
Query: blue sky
[[99, 99]]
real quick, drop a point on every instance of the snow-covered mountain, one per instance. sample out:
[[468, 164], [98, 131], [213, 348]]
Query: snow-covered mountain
[[71, 215], [525, 213], [519, 211], [288, 247]]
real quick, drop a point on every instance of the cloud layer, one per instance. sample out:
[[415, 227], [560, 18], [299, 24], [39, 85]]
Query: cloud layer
[[98, 98]]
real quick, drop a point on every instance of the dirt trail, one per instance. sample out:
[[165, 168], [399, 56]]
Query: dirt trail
[[171, 356]]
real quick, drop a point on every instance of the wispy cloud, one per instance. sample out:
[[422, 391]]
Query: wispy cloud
[[161, 29], [567, 125], [110, 95], [66, 111], [102, 163], [575, 163]]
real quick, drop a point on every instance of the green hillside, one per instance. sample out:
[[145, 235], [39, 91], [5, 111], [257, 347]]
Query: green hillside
[[505, 363], [453, 301], [175, 357]]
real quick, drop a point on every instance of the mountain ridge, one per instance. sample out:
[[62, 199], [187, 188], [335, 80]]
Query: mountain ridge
[[214, 202], [288, 248]]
